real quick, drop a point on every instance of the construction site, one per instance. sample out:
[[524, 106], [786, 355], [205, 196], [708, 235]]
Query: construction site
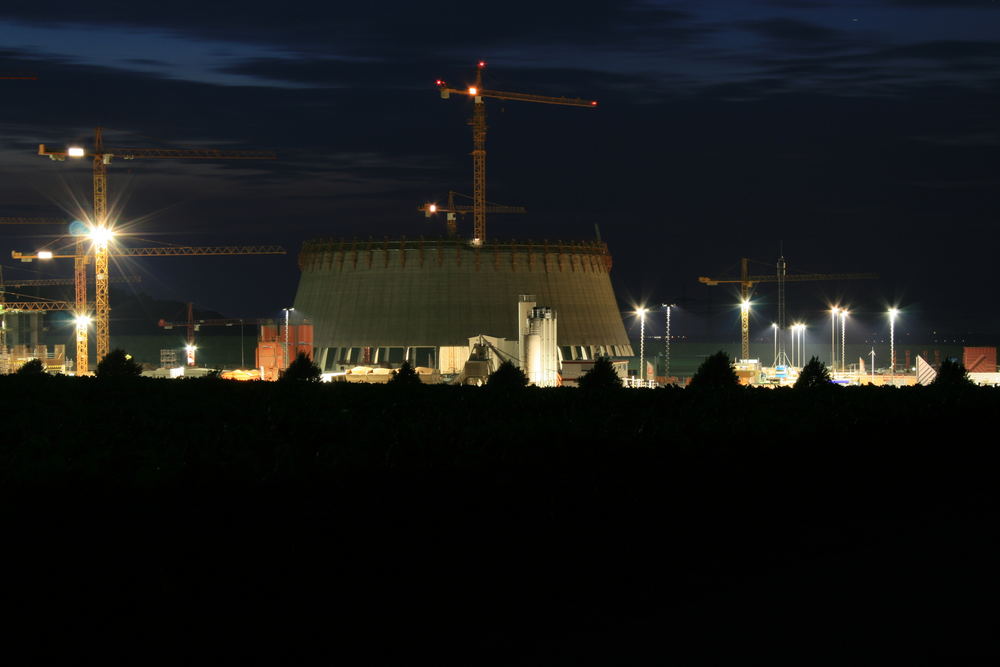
[[454, 307]]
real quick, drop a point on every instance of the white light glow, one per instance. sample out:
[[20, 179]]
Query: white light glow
[[44, 254], [101, 235], [75, 151], [82, 320], [473, 90]]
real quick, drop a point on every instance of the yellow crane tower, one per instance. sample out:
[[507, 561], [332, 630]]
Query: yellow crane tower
[[102, 231], [478, 123], [451, 209], [747, 281], [165, 251]]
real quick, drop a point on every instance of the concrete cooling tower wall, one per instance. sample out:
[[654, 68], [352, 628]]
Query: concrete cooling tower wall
[[381, 301]]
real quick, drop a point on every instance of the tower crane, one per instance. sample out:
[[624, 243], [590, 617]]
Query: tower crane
[[452, 209], [102, 231], [192, 325], [164, 251], [747, 281], [478, 123]]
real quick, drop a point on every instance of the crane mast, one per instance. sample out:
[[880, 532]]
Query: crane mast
[[80, 279], [747, 281], [102, 232], [478, 123]]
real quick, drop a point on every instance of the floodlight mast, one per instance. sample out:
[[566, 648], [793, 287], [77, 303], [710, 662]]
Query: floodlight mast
[[100, 226]]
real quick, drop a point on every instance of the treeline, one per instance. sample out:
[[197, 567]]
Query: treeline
[[497, 525]]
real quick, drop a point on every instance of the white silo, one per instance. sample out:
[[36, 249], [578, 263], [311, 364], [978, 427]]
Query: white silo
[[542, 351]]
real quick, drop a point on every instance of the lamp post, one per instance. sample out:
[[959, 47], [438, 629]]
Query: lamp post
[[893, 313], [666, 341], [798, 344], [642, 341], [833, 337], [843, 338], [775, 327], [287, 311]]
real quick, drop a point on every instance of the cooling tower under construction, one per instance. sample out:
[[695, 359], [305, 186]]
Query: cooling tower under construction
[[378, 302]]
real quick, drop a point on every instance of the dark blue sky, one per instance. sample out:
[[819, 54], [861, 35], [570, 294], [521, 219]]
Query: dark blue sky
[[864, 135]]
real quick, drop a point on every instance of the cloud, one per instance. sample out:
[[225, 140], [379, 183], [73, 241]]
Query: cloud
[[795, 36], [947, 4]]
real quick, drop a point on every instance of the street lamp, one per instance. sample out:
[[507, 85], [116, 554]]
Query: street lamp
[[833, 337], [775, 327], [101, 236], [666, 341], [642, 341], [287, 311], [843, 338], [798, 344], [893, 313]]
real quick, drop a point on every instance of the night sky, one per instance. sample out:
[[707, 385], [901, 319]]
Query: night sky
[[863, 136]]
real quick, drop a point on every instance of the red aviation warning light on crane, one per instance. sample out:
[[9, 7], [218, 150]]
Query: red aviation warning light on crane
[[478, 122]]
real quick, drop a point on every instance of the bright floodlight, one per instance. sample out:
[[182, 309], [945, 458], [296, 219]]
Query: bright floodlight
[[775, 325], [81, 320], [893, 312], [473, 90], [44, 254], [190, 348], [745, 305], [835, 310], [75, 151], [101, 234], [432, 208]]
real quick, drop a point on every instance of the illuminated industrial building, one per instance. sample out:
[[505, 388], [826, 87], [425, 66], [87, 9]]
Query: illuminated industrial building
[[380, 302]]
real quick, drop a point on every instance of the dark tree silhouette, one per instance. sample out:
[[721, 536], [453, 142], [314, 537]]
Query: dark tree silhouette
[[302, 370], [32, 368], [117, 364], [507, 377], [952, 374], [405, 376], [716, 372], [600, 377], [814, 374]]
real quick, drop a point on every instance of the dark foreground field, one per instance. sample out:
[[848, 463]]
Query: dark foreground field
[[210, 522]]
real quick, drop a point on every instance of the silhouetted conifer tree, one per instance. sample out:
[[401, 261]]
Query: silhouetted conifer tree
[[600, 377], [405, 376], [814, 374], [507, 377], [118, 364], [952, 374], [301, 370], [32, 368], [716, 372]]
